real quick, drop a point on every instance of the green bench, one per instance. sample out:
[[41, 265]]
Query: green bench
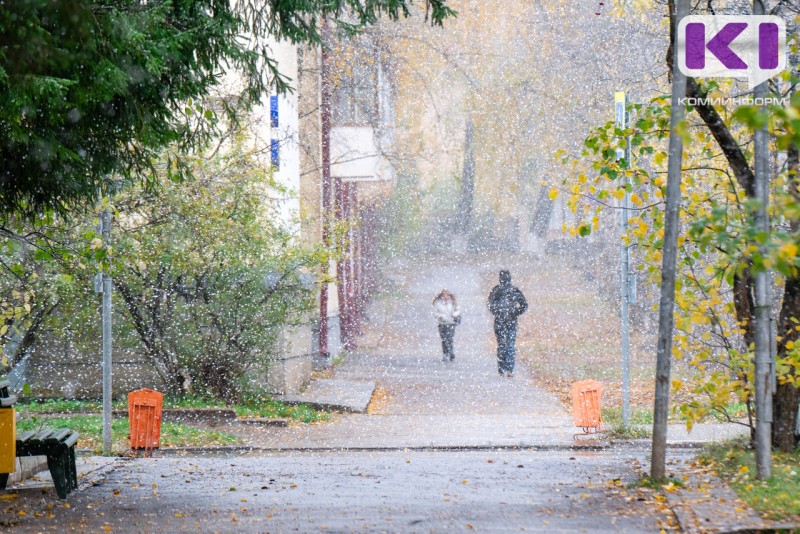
[[57, 445], [59, 448]]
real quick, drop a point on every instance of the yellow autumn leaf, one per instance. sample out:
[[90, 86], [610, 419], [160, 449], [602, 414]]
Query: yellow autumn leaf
[[553, 193], [788, 251], [643, 228]]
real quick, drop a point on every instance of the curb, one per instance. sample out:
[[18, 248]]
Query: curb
[[640, 445], [249, 449], [96, 476]]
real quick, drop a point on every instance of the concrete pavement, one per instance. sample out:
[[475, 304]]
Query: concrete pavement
[[420, 401], [391, 491], [443, 446]]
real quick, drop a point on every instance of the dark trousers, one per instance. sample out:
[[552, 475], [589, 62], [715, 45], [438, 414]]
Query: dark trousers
[[447, 331], [506, 338]]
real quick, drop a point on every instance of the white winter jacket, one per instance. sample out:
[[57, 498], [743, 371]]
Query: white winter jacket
[[445, 311]]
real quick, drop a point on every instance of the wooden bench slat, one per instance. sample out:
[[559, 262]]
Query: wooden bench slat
[[25, 436], [59, 447], [43, 434], [58, 435], [72, 439]]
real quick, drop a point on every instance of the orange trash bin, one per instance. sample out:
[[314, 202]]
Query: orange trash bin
[[144, 418], [586, 405]]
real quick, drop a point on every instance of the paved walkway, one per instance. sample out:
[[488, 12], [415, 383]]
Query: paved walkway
[[419, 402], [391, 491], [422, 401]]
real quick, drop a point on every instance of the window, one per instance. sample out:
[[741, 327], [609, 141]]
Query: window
[[273, 111], [274, 153], [355, 94]]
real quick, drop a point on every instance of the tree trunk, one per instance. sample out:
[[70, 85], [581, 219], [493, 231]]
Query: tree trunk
[[787, 396], [467, 181], [744, 304], [786, 400], [32, 333]]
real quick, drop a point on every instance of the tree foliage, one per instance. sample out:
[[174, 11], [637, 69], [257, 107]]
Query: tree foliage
[[719, 247], [94, 89], [206, 275]]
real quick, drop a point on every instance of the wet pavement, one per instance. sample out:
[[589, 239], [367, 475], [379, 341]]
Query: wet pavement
[[422, 401], [390, 491], [445, 446]]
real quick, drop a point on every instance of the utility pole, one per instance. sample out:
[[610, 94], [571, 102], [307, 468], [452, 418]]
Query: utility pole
[[106, 290], [669, 255], [622, 121], [764, 382], [325, 215]]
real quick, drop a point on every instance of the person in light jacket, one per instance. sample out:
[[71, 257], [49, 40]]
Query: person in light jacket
[[448, 316]]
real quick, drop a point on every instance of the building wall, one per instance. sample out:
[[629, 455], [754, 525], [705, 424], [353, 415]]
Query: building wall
[[287, 136], [309, 91], [309, 144]]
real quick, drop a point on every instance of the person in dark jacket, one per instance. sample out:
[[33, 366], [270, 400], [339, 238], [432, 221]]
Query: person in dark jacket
[[506, 303]]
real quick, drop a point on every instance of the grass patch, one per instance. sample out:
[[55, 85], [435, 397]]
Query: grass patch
[[777, 497], [193, 402], [640, 422], [612, 416], [63, 406], [299, 412], [251, 406], [632, 432], [736, 411], [90, 428]]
